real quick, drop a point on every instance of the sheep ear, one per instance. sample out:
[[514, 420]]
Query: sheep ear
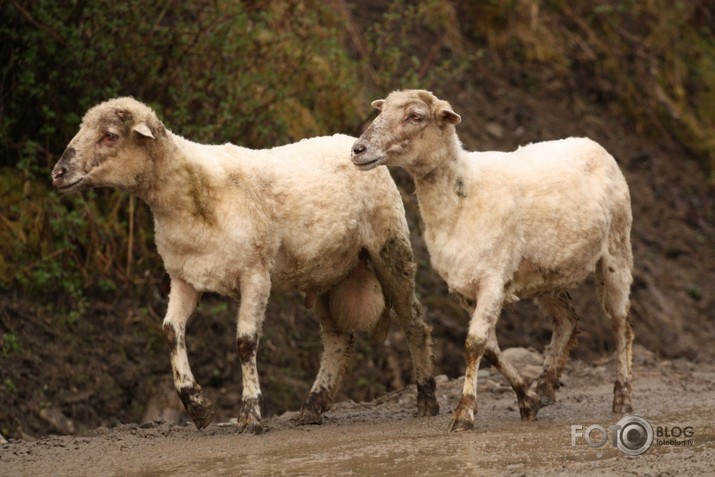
[[450, 116], [377, 104], [143, 130]]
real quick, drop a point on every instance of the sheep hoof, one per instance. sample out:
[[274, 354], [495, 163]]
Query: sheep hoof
[[200, 409], [251, 425], [249, 417], [463, 416], [254, 428], [547, 393], [529, 405], [622, 398], [461, 421], [202, 417], [308, 417], [426, 400], [315, 404]]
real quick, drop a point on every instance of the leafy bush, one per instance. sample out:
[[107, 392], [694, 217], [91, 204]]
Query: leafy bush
[[253, 73], [653, 61], [415, 45]]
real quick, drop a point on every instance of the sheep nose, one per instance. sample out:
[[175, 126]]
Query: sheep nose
[[58, 172], [358, 148]]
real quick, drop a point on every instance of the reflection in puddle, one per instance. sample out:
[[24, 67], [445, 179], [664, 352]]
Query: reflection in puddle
[[423, 447]]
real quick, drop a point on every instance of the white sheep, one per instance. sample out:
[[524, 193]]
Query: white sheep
[[241, 222], [500, 227]]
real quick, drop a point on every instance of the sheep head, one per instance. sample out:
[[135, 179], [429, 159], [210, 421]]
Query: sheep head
[[409, 124], [112, 148]]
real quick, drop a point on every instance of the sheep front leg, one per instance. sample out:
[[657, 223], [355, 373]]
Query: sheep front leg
[[255, 290], [183, 299], [337, 350], [481, 341], [483, 320]]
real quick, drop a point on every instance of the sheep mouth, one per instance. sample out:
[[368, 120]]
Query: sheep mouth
[[69, 187], [369, 164]]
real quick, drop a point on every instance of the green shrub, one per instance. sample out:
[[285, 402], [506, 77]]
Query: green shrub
[[253, 73]]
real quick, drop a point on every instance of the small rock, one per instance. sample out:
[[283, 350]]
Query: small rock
[[522, 357], [531, 371], [2, 439], [58, 420], [495, 129], [643, 356], [164, 405], [442, 378], [483, 373]]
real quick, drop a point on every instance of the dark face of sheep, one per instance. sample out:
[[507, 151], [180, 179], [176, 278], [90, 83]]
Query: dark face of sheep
[[111, 148], [410, 122]]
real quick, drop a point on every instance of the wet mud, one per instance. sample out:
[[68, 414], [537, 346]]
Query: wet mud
[[383, 437]]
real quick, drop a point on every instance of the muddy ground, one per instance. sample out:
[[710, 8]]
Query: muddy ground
[[383, 438]]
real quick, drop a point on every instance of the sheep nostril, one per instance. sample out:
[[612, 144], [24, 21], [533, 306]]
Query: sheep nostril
[[358, 148], [58, 172]]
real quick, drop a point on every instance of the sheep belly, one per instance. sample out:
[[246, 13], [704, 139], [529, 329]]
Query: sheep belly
[[315, 266], [531, 280]]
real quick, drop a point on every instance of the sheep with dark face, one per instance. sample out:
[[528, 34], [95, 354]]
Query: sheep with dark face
[[242, 222], [500, 227]]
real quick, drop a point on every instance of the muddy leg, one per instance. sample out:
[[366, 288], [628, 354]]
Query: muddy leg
[[337, 351], [614, 279], [255, 290], [395, 268], [481, 326], [563, 339], [182, 302], [622, 388], [529, 401]]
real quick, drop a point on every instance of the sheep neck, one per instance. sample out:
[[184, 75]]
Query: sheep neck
[[440, 189], [172, 185]]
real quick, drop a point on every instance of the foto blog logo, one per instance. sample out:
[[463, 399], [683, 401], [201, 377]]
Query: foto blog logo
[[632, 435]]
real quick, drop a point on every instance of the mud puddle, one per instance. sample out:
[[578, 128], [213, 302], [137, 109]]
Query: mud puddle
[[382, 437]]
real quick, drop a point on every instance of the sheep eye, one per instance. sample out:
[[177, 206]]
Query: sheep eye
[[415, 117], [109, 138]]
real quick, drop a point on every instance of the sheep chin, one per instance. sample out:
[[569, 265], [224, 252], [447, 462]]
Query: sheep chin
[[76, 186], [364, 165]]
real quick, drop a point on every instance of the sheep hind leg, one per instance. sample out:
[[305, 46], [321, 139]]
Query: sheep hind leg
[[182, 301], [337, 351], [395, 268], [529, 401], [614, 283], [563, 339]]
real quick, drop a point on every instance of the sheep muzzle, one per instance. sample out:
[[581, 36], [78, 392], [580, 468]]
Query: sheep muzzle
[[63, 177]]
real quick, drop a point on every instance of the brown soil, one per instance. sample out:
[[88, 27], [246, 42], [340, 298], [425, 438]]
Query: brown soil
[[382, 438]]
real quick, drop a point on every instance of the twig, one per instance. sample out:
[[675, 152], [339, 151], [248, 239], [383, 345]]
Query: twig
[[130, 244], [45, 258]]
